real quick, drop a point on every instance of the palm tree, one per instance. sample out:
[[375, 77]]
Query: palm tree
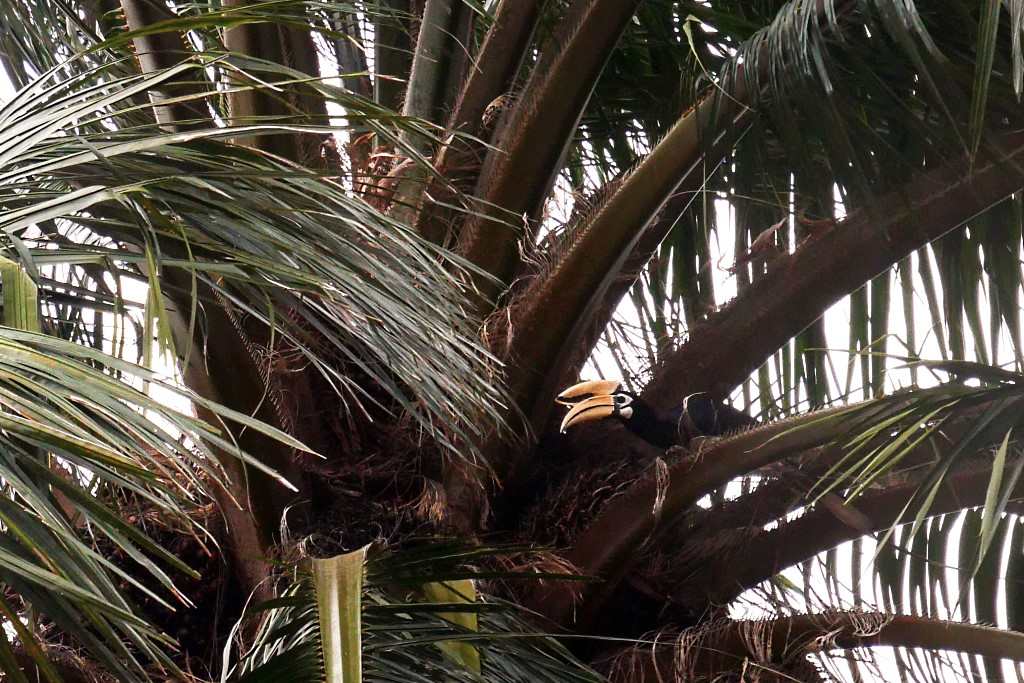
[[287, 280]]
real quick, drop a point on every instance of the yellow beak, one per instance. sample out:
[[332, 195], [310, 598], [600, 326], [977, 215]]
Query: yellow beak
[[585, 390], [589, 410]]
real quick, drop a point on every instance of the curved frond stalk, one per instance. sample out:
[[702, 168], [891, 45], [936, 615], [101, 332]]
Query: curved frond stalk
[[607, 548], [518, 175], [557, 309], [651, 240], [436, 64], [392, 51], [157, 52], [350, 54], [728, 524], [426, 79], [497, 62], [490, 78], [801, 286], [291, 46], [820, 529], [773, 645]]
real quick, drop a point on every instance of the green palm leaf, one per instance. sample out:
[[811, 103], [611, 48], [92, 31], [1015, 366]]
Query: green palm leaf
[[402, 629]]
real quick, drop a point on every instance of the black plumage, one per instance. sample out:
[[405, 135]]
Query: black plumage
[[698, 415]]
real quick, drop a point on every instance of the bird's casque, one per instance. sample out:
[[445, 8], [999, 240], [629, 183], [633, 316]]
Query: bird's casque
[[601, 399]]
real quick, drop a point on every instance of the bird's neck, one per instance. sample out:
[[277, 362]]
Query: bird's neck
[[657, 429]]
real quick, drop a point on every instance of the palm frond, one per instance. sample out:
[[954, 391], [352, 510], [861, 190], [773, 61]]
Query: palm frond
[[403, 628], [93, 195], [97, 433], [286, 245]]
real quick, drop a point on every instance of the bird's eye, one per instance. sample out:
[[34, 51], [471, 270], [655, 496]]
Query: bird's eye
[[621, 400]]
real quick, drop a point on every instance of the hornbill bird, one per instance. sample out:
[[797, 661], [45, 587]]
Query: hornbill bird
[[698, 415]]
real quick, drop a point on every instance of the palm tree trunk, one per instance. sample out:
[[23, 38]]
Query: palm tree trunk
[[252, 504]]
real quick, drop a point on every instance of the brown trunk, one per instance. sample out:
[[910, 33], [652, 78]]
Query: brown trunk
[[224, 370]]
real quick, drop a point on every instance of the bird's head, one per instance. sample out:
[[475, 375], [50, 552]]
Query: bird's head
[[596, 400]]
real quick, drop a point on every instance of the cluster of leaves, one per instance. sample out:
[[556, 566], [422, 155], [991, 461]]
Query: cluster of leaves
[[408, 633], [94, 193], [96, 199], [291, 247]]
